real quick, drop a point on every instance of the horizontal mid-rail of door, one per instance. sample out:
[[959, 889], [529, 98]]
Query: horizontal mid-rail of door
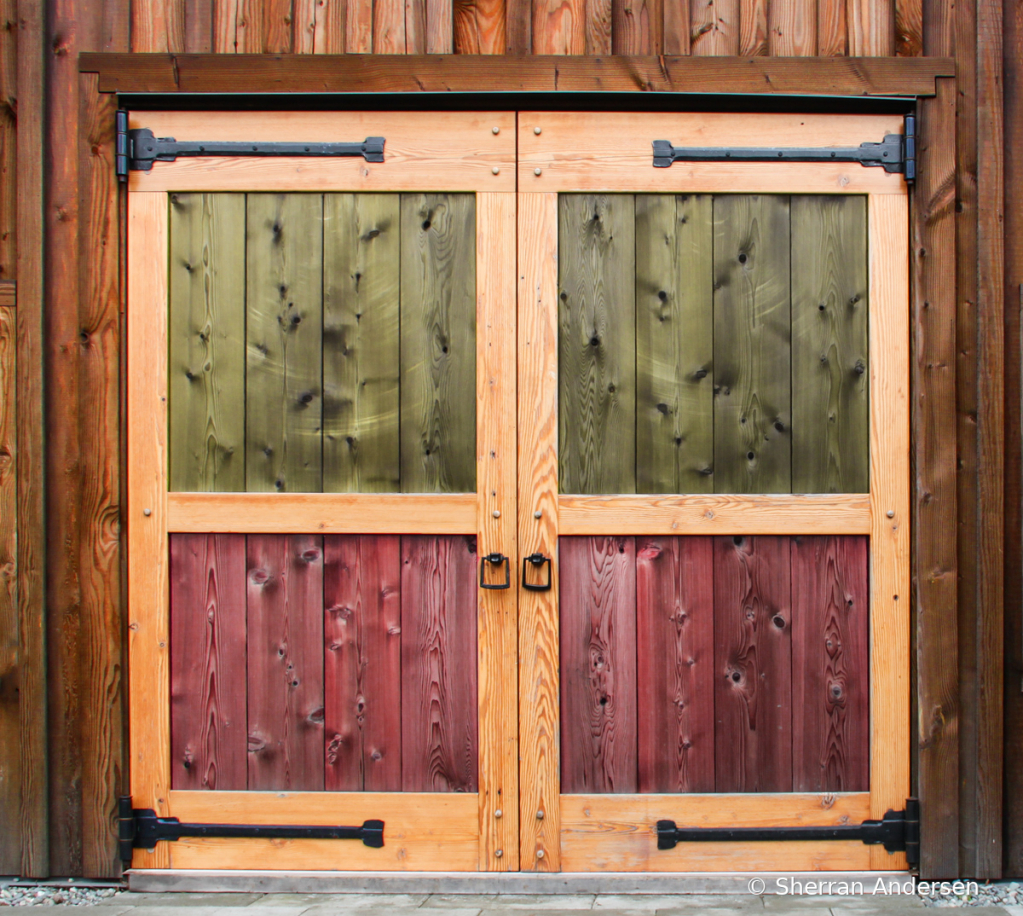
[[587, 151], [423, 151]]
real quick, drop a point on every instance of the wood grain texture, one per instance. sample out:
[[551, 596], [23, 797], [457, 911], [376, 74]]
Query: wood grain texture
[[157, 25], [715, 514], [830, 419], [792, 28], [238, 27], [324, 513], [518, 27], [637, 26], [752, 397], [438, 343], [753, 24], [830, 664], [496, 529], [909, 28], [362, 663], [674, 344], [207, 662], [361, 264], [8, 142], [539, 705], [871, 26], [284, 323], [388, 27], [277, 26], [284, 578], [358, 26], [675, 663], [423, 832], [10, 712], [207, 342], [832, 32], [559, 27], [439, 711], [714, 29], [198, 26], [148, 585], [596, 343], [597, 602], [753, 662], [677, 19]]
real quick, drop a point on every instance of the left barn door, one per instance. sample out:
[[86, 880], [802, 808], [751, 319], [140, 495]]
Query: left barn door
[[321, 476]]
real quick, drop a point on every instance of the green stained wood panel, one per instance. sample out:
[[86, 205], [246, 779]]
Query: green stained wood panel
[[752, 332], [674, 344], [206, 342], [597, 343], [830, 423], [284, 306], [438, 343], [361, 273]]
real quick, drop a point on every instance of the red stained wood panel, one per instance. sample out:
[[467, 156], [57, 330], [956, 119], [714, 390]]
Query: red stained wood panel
[[362, 662], [675, 647], [438, 664], [830, 664], [753, 654], [208, 700], [598, 664], [285, 662]]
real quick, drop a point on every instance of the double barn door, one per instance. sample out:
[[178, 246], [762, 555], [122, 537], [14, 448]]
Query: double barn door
[[517, 493]]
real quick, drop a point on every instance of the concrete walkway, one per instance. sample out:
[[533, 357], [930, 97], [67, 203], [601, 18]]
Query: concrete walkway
[[178, 904]]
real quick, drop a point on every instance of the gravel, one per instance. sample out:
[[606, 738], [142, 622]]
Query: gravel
[[51, 895], [995, 893]]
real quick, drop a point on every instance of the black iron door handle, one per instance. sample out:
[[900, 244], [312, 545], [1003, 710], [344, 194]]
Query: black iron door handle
[[495, 559], [536, 559]]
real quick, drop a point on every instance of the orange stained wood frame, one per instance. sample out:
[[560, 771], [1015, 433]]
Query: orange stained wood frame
[[611, 152], [445, 152]]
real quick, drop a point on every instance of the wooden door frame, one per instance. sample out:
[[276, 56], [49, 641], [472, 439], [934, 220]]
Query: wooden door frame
[[460, 152], [931, 81]]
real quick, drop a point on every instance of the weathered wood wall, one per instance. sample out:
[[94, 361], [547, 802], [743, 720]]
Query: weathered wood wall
[[68, 761]]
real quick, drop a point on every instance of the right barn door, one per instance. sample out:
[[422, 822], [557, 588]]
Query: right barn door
[[713, 497]]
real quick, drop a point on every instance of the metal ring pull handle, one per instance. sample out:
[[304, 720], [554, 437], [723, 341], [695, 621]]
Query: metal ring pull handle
[[495, 559], [536, 559]]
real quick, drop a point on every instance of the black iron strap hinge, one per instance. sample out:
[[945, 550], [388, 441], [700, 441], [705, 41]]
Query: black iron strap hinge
[[898, 831], [895, 153], [140, 828], [138, 149]]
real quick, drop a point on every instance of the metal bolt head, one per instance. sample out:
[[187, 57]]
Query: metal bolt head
[[497, 130], [498, 853], [498, 813], [536, 130], [538, 514], [496, 170], [890, 513], [539, 853], [147, 512], [539, 815], [497, 513], [538, 171]]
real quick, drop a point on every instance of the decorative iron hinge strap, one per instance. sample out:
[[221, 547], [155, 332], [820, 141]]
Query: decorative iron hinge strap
[[899, 831], [896, 153], [140, 828], [138, 149]]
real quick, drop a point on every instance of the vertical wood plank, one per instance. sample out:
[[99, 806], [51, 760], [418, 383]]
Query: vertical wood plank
[[311, 19], [439, 27], [207, 661], [598, 665], [832, 37], [438, 343], [537, 356], [238, 27], [675, 663], [285, 662], [358, 24], [361, 263], [157, 25], [871, 26], [597, 343], [415, 26], [388, 26], [753, 661], [909, 28], [674, 344], [676, 27], [362, 666], [8, 140], [148, 592], [438, 664], [198, 26], [10, 712], [284, 324], [207, 342], [715, 28], [559, 27], [830, 664], [888, 238], [277, 26], [752, 394], [598, 27], [830, 422], [638, 26], [792, 28], [518, 26], [481, 25], [497, 489], [753, 38]]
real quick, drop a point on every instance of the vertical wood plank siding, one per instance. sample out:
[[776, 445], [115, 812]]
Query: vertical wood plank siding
[[743, 661]]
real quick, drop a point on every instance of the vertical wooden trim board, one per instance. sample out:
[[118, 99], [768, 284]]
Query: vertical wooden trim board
[[539, 717], [888, 228], [497, 626], [148, 610]]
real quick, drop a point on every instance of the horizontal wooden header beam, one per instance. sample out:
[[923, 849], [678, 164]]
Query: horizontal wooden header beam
[[358, 73]]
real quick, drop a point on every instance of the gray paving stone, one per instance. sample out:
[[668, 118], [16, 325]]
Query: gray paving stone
[[187, 899], [704, 903], [334, 903], [108, 909], [516, 902]]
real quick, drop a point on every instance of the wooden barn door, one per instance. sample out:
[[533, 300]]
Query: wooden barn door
[[713, 441], [321, 427]]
